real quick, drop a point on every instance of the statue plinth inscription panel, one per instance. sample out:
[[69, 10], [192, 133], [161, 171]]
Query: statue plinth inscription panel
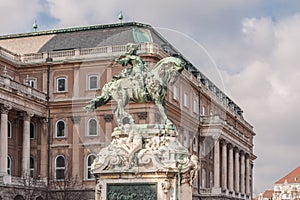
[[131, 191]]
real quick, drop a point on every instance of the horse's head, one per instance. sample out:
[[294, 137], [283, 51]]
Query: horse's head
[[168, 69]]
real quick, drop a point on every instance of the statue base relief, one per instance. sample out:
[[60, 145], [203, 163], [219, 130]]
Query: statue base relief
[[144, 162]]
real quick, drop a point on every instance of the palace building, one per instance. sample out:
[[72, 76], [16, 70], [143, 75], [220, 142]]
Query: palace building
[[47, 77]]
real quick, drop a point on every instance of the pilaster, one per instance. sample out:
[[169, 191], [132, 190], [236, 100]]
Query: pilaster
[[75, 146]]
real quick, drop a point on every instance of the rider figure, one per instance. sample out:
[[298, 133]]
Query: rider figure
[[136, 62]]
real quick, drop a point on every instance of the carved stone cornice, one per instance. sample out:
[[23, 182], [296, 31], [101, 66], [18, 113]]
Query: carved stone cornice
[[75, 119], [5, 108]]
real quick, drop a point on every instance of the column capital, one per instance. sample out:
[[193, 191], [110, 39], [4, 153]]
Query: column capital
[[230, 146], [216, 137], [75, 119], [242, 153], [236, 150], [5, 108], [27, 115], [223, 142], [44, 121]]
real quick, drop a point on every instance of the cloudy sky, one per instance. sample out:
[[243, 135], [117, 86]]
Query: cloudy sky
[[254, 43]]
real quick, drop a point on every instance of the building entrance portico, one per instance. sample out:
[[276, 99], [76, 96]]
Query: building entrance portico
[[17, 110]]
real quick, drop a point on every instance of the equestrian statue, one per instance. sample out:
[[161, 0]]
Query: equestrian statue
[[139, 84]]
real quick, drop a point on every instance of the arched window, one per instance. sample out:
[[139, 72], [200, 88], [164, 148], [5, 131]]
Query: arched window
[[9, 130], [19, 197], [59, 167], [61, 84], [9, 165], [203, 177], [31, 166], [89, 161], [32, 130], [60, 128], [92, 127]]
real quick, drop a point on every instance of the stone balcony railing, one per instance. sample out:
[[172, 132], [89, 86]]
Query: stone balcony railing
[[78, 54], [11, 85]]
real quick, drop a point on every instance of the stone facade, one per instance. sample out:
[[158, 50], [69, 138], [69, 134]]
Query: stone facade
[[55, 139]]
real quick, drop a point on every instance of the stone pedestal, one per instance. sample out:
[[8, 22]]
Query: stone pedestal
[[5, 179], [144, 161]]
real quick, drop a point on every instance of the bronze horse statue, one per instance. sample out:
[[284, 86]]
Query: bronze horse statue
[[140, 86]]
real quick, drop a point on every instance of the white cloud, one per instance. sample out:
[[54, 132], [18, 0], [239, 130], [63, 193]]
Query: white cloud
[[268, 89], [258, 56], [18, 15]]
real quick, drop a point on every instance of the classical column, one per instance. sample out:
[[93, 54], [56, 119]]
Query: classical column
[[242, 173], [230, 168], [3, 140], [237, 171], [75, 146], [247, 175], [26, 144], [216, 162], [224, 165]]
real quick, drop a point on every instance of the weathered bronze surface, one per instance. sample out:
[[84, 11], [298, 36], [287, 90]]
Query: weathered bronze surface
[[129, 191]]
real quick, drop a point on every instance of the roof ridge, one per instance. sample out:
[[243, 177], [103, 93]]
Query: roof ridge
[[73, 29]]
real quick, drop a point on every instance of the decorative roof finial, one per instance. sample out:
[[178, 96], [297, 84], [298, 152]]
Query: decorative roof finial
[[120, 17], [35, 26]]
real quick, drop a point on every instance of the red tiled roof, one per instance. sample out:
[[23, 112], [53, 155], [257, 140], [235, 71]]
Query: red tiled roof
[[268, 193], [292, 177]]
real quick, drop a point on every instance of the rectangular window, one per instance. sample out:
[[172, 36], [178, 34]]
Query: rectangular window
[[93, 82], [61, 84], [186, 100], [195, 106], [175, 92]]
